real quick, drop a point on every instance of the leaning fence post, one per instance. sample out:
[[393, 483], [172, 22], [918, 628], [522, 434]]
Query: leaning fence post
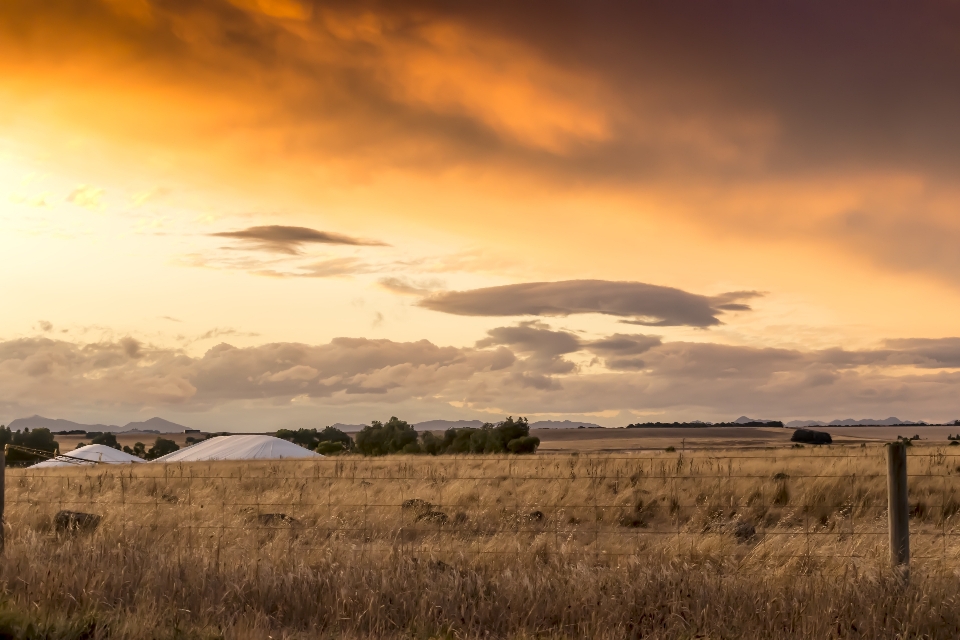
[[898, 509]]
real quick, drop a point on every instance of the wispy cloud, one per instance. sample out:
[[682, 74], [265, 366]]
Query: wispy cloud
[[86, 196], [409, 286]]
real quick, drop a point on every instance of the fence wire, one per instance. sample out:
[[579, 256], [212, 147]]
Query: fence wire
[[809, 513]]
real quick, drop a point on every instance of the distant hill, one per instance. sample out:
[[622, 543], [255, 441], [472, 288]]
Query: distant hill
[[746, 420], [56, 424], [158, 425], [154, 424], [443, 425], [348, 428]]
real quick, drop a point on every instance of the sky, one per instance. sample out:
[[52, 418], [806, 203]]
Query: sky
[[255, 214]]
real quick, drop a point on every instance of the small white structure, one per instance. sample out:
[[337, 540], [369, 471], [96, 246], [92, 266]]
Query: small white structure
[[89, 455], [251, 447]]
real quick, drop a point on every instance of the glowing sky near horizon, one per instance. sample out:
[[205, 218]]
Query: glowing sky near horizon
[[255, 214]]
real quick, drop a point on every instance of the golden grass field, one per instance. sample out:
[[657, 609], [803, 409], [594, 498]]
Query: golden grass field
[[774, 543]]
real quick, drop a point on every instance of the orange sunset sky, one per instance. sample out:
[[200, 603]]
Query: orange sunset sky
[[253, 214]]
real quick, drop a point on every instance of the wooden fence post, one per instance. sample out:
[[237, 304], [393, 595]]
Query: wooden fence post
[[3, 490], [898, 508]]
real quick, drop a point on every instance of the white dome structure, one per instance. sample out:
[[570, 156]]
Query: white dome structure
[[89, 455], [252, 447]]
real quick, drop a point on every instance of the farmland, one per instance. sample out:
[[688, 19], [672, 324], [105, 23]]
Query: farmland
[[723, 543]]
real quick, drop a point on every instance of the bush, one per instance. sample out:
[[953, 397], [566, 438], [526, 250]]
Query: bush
[[382, 438], [107, 439], [311, 438], [809, 436], [330, 448], [524, 444]]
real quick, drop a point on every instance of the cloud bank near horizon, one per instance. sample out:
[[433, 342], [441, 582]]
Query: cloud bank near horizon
[[528, 368]]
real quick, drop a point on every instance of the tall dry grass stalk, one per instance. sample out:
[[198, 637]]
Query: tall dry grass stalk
[[770, 544]]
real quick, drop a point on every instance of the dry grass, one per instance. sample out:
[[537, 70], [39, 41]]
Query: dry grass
[[779, 543]]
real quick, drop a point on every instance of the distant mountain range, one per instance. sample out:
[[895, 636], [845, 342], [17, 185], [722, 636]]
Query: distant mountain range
[[158, 425], [745, 420], [849, 422]]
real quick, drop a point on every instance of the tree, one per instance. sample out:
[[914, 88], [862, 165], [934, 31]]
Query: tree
[[160, 448], [508, 436], [40, 439], [107, 439], [139, 450], [391, 437]]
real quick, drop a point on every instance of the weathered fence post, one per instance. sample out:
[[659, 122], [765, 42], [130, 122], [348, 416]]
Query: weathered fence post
[[898, 508], [3, 489]]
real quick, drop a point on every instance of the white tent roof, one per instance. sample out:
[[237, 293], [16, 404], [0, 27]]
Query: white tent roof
[[239, 448], [92, 452]]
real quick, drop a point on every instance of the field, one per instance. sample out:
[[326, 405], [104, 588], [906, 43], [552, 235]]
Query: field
[[69, 442], [774, 543]]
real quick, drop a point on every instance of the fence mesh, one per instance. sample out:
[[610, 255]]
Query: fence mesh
[[800, 512]]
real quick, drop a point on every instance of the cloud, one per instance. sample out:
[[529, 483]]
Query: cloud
[[620, 351], [220, 332], [86, 196], [533, 337], [409, 287], [284, 239], [330, 268], [519, 369], [644, 304], [763, 119], [150, 195]]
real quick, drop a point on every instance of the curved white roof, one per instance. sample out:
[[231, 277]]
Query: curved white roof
[[92, 453], [239, 448]]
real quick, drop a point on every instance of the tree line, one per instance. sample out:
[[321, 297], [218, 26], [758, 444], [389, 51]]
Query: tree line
[[399, 436]]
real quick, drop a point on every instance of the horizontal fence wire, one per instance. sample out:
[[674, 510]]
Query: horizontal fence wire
[[726, 512]]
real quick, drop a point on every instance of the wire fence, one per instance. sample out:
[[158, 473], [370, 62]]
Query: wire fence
[[801, 512]]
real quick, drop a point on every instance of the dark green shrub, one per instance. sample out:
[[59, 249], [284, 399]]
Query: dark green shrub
[[809, 436], [524, 444], [330, 448]]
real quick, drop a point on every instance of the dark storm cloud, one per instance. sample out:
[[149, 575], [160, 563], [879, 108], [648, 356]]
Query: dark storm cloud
[[737, 89], [284, 239], [733, 99], [643, 304]]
